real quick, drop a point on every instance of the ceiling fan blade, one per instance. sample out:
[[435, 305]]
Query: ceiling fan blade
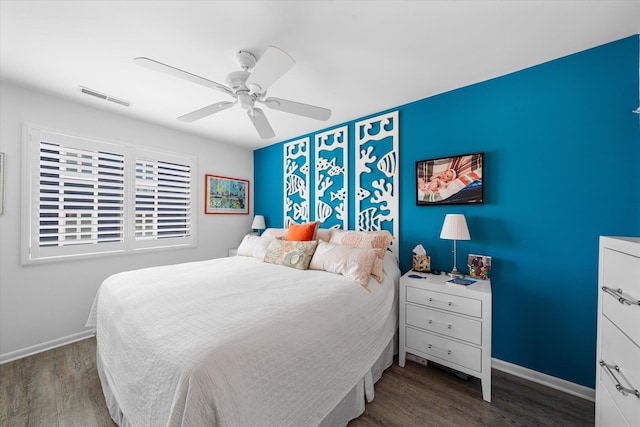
[[261, 123], [206, 111], [176, 72], [273, 64], [298, 108]]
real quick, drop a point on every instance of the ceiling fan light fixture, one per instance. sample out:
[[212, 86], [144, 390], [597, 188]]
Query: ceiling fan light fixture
[[246, 101]]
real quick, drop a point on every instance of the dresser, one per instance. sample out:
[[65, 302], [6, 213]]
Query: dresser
[[618, 344], [446, 324]]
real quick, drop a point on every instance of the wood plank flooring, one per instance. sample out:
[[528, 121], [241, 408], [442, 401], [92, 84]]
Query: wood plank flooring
[[61, 388]]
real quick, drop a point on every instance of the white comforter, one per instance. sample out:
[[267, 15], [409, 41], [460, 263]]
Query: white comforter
[[236, 342]]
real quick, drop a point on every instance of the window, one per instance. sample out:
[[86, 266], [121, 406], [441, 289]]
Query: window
[[162, 200], [87, 197]]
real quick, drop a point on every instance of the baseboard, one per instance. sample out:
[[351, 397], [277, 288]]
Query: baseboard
[[544, 379], [49, 345]]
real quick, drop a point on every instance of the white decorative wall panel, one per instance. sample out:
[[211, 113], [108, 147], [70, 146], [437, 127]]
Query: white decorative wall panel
[[331, 178], [296, 181], [376, 175]]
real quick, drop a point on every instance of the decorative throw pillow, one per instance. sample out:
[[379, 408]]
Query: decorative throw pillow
[[302, 232], [354, 263], [324, 234], [254, 246], [277, 233], [376, 240], [290, 253]]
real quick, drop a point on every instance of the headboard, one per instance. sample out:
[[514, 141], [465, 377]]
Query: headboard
[[319, 185]]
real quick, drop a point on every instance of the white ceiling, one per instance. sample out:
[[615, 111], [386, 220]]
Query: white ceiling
[[354, 57]]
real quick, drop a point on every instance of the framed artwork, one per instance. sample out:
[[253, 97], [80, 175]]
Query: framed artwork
[[450, 180], [224, 195]]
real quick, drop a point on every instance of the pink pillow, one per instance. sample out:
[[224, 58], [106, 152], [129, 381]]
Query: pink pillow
[[377, 240], [354, 263]]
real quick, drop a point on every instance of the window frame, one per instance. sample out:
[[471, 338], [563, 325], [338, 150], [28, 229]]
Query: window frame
[[33, 252]]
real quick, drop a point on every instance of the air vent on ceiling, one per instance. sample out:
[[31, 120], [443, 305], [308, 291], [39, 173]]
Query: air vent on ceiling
[[106, 97]]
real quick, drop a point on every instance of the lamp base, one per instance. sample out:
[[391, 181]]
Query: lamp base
[[454, 274]]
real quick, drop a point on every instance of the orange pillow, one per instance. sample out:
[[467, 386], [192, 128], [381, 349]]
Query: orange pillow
[[302, 232]]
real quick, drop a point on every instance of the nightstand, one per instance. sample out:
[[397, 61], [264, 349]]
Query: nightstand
[[446, 324]]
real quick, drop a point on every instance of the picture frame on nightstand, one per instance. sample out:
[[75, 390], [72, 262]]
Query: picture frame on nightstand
[[479, 266]]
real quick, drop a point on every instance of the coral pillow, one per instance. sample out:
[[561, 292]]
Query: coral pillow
[[354, 263], [302, 232], [290, 254], [376, 240]]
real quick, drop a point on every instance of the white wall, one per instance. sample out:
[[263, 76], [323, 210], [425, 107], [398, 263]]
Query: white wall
[[47, 304]]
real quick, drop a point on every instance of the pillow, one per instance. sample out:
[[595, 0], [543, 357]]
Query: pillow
[[302, 232], [254, 246], [377, 240], [278, 233], [290, 253], [354, 263], [324, 234]]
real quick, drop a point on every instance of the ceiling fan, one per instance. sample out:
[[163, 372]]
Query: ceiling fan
[[247, 87]]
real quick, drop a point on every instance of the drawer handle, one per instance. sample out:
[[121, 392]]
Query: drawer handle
[[623, 390], [435, 300], [431, 322], [438, 348], [618, 294]]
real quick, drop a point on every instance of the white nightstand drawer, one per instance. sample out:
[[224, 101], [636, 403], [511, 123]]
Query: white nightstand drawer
[[441, 348], [618, 351], [446, 324], [622, 272], [457, 304]]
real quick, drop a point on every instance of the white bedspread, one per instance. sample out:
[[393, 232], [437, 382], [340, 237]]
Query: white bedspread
[[236, 342]]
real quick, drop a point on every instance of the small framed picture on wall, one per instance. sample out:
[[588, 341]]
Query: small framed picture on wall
[[224, 195], [450, 180]]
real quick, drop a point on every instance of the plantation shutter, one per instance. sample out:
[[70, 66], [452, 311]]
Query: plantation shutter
[[77, 197], [162, 200]]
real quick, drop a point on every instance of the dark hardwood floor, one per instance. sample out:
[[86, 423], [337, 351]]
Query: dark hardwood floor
[[60, 387]]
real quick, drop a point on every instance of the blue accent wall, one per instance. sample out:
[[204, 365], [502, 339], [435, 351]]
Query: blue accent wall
[[562, 151]]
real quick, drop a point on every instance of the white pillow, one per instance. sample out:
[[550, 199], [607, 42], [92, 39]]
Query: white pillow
[[254, 246], [354, 263]]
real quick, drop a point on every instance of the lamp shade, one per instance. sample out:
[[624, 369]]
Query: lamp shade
[[455, 228], [258, 223]]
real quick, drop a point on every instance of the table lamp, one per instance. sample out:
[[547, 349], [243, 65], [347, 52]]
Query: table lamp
[[455, 228], [258, 224]]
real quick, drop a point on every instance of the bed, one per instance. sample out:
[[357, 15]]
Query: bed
[[242, 342]]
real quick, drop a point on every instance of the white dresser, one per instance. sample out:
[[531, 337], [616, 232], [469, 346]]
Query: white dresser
[[447, 325], [618, 351]]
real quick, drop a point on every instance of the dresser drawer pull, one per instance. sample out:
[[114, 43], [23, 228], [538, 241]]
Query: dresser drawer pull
[[617, 294], [448, 326], [438, 348], [623, 390], [435, 300]]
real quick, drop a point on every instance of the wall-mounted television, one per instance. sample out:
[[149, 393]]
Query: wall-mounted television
[[450, 180]]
